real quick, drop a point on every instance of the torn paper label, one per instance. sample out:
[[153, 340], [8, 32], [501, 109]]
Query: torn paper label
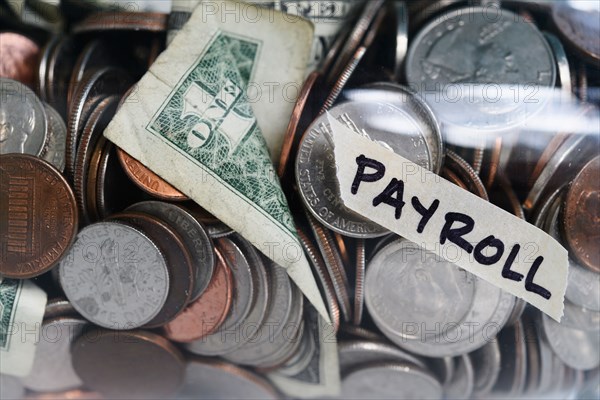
[[449, 221]]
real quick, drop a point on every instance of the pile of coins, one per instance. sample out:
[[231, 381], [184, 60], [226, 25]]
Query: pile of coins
[[153, 297]]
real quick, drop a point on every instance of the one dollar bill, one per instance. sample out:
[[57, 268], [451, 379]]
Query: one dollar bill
[[194, 126], [22, 306]]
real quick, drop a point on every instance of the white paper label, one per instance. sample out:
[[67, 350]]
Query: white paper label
[[449, 221]]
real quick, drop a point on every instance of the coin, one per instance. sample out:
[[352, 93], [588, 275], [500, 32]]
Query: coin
[[513, 373], [575, 316], [23, 126], [92, 179], [486, 363], [581, 216], [60, 65], [95, 55], [205, 314], [19, 57], [457, 166], [401, 38], [115, 276], [212, 379], [38, 213], [193, 235], [562, 63], [177, 256], [42, 75], [134, 21], [354, 353], [147, 180], [128, 365], [54, 148], [52, 369], [580, 28], [463, 381], [59, 306], [390, 381], [11, 387], [359, 289]]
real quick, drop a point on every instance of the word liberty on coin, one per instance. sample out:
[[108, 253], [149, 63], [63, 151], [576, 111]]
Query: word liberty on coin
[[196, 129]]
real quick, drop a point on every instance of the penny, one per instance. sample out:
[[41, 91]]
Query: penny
[[115, 276], [75, 394], [390, 381], [486, 363], [315, 168], [206, 314], [52, 369], [128, 365], [147, 180], [177, 256], [212, 379], [193, 235], [580, 28], [578, 349], [59, 306], [359, 289], [54, 148], [134, 21], [11, 387], [23, 126], [342, 248], [466, 174], [581, 216], [38, 215], [20, 55], [353, 332], [354, 353]]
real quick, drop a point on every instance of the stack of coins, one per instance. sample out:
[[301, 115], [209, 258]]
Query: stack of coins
[[154, 297]]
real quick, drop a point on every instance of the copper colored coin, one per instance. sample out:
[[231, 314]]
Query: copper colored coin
[[581, 216], [179, 264], [128, 365], [75, 394], [205, 315], [38, 216], [147, 180], [131, 21], [19, 58]]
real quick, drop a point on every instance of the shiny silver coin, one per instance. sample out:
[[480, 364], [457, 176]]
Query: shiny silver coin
[[354, 353], [463, 382], [390, 381], [513, 373], [55, 146], [52, 368], [115, 276], [428, 305], [578, 349], [580, 318], [194, 237], [11, 387], [212, 380], [404, 132], [463, 52], [23, 127], [486, 363], [302, 355], [562, 63]]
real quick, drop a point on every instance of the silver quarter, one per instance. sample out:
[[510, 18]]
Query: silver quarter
[[562, 63], [401, 37], [115, 276], [194, 237], [55, 146], [486, 362], [354, 353], [52, 368], [578, 349], [581, 318], [390, 381], [315, 165], [23, 126], [462, 383]]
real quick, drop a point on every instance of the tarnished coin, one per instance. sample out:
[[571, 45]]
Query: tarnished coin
[[20, 55], [205, 314], [581, 216], [390, 381], [128, 365], [115, 276], [354, 353], [23, 127], [54, 148], [404, 133], [580, 27], [212, 380], [52, 368], [38, 215], [194, 237], [147, 180]]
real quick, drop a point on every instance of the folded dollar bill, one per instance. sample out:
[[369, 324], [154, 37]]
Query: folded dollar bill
[[22, 306], [193, 124]]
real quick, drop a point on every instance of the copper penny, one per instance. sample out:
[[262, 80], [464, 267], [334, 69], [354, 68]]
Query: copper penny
[[133, 21], [179, 263], [205, 315], [581, 215], [19, 58], [147, 180], [128, 364], [38, 216]]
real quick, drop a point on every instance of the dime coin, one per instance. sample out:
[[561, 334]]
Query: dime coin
[[115, 276], [205, 314], [54, 148], [354, 353], [581, 216], [193, 235], [23, 126], [128, 365], [52, 369], [19, 57], [38, 213]]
